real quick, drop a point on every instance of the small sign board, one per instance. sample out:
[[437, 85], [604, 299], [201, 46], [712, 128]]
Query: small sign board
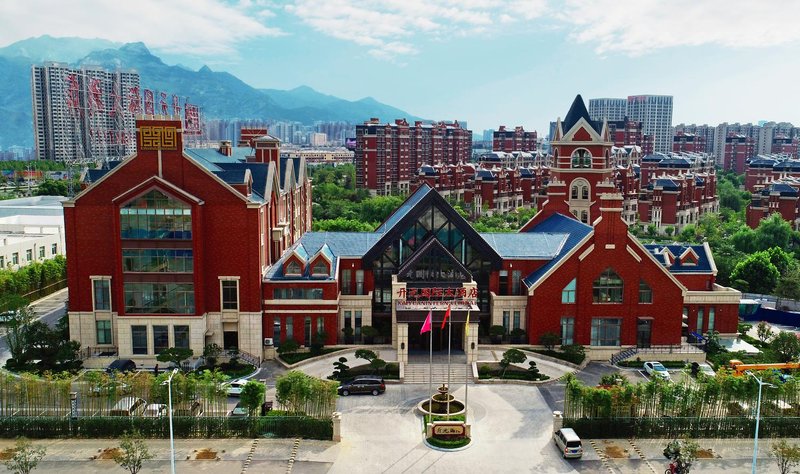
[[449, 429]]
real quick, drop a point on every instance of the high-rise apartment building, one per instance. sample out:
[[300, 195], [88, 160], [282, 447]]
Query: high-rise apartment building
[[655, 113], [83, 114], [513, 140], [388, 155], [608, 109]]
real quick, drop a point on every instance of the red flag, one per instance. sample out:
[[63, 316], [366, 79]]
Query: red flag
[[426, 326], [446, 315]]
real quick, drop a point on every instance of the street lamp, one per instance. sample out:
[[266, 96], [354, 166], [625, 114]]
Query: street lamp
[[758, 415], [168, 383]]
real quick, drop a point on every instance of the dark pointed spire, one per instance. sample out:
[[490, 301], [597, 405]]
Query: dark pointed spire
[[576, 112]]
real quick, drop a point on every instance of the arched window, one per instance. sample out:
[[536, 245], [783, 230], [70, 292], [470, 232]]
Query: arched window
[[574, 192], [645, 292], [320, 268], [293, 268], [581, 159], [585, 192], [568, 293], [584, 217], [607, 288]]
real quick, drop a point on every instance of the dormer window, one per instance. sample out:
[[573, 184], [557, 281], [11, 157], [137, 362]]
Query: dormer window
[[293, 268], [320, 268]]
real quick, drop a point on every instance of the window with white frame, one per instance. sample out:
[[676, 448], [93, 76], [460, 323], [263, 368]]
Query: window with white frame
[[53, 249], [29, 255], [645, 292], [606, 331], [293, 268], [230, 294], [41, 252], [104, 332], [181, 336]]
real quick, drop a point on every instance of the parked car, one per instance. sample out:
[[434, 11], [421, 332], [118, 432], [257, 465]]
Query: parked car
[[363, 384], [189, 408], [656, 369], [238, 410], [129, 406], [234, 387], [111, 388], [155, 410], [706, 369], [568, 442], [121, 365]]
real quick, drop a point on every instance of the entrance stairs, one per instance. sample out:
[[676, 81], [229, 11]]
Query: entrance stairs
[[418, 372]]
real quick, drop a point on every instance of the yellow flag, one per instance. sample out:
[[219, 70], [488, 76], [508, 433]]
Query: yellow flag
[[466, 327]]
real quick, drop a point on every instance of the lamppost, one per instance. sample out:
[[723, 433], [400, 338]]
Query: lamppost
[[758, 415], [168, 383]]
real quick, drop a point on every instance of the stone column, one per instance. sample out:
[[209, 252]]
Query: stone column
[[402, 342], [471, 342], [396, 287], [337, 426]]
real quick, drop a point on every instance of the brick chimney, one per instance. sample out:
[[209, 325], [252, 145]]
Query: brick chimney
[[225, 148], [611, 229]]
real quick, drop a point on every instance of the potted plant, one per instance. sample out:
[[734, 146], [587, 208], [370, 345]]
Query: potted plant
[[497, 332], [518, 336], [369, 334]]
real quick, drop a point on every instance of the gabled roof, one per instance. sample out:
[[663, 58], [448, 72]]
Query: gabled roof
[[668, 184], [558, 224], [526, 245], [404, 208], [782, 189], [661, 252], [576, 112]]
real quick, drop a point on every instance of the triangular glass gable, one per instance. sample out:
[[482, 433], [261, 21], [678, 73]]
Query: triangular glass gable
[[433, 263]]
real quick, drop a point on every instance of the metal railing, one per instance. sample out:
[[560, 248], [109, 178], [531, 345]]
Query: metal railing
[[105, 351]]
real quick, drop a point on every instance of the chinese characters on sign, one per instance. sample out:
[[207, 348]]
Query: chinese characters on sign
[[429, 293], [449, 430], [436, 298]]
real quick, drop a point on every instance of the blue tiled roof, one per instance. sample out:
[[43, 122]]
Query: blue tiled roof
[[301, 251], [332, 244], [558, 224], [427, 170], [484, 174], [674, 163], [762, 163], [782, 188], [259, 172], [404, 208], [666, 183], [791, 165], [232, 176], [703, 259], [526, 245]]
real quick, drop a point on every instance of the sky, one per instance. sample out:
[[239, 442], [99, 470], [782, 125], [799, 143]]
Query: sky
[[487, 62]]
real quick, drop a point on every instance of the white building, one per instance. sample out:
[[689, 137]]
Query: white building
[[31, 229], [655, 113], [608, 108]]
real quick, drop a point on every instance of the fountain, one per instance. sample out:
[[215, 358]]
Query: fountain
[[438, 403]]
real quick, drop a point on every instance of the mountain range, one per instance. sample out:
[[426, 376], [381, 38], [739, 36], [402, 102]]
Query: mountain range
[[219, 94]]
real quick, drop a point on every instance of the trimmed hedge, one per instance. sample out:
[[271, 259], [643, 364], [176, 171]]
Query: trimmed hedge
[[183, 426], [448, 443], [295, 357], [566, 356], [729, 427]]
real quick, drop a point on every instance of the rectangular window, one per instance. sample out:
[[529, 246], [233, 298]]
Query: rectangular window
[[29, 255], [296, 293], [53, 249], [159, 298], [711, 316], [41, 252], [347, 317], [516, 320], [347, 285], [139, 340], [359, 282], [606, 331], [181, 335], [645, 293], [102, 295], [699, 327], [230, 294], [516, 289], [504, 282], [320, 325], [160, 339], [358, 323], [568, 293], [15, 258], [289, 327], [157, 260], [506, 317], [104, 332], [567, 331], [307, 331]]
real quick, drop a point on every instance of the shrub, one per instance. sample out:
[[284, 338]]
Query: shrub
[[366, 354], [210, 353], [497, 330], [575, 352], [340, 368], [288, 346], [549, 340], [318, 342], [484, 370]]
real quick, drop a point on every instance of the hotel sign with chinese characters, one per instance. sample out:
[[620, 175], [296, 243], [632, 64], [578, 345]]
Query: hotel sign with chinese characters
[[436, 299]]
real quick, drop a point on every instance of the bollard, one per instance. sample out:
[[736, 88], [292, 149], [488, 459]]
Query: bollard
[[337, 426], [558, 421]]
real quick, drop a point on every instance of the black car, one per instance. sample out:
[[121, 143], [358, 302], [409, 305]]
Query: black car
[[121, 365], [363, 384]]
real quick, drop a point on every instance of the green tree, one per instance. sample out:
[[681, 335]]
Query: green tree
[[252, 395], [786, 455], [763, 332], [174, 355], [17, 328], [549, 340], [782, 260], [377, 365], [688, 234], [683, 453], [133, 452], [669, 230], [341, 224], [295, 390], [758, 271], [773, 232], [340, 368], [26, 457], [511, 356], [788, 285], [50, 187], [786, 345], [366, 354], [210, 353]]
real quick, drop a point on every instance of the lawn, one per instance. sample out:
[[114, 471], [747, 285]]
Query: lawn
[[296, 357], [492, 370]]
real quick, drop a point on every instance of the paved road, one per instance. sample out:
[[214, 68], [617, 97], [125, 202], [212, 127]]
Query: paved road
[[48, 310]]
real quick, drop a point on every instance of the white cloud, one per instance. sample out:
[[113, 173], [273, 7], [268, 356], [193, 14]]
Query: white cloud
[[199, 27], [389, 28], [636, 27]]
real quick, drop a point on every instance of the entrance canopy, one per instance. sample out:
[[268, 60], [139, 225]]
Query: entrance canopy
[[417, 311]]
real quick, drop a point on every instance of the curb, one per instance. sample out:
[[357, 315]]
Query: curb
[[323, 356], [446, 450]]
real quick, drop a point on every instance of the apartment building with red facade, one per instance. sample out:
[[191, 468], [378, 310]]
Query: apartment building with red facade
[[686, 142], [514, 140], [738, 149]]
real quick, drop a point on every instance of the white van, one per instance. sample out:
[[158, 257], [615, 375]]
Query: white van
[[568, 442]]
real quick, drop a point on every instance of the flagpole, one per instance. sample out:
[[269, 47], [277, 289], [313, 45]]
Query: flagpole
[[449, 340], [466, 370], [430, 371]]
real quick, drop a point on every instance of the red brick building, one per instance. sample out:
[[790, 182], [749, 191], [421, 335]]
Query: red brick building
[[764, 169], [170, 245], [738, 149], [387, 156], [514, 140], [778, 196], [786, 145], [685, 142], [625, 133]]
